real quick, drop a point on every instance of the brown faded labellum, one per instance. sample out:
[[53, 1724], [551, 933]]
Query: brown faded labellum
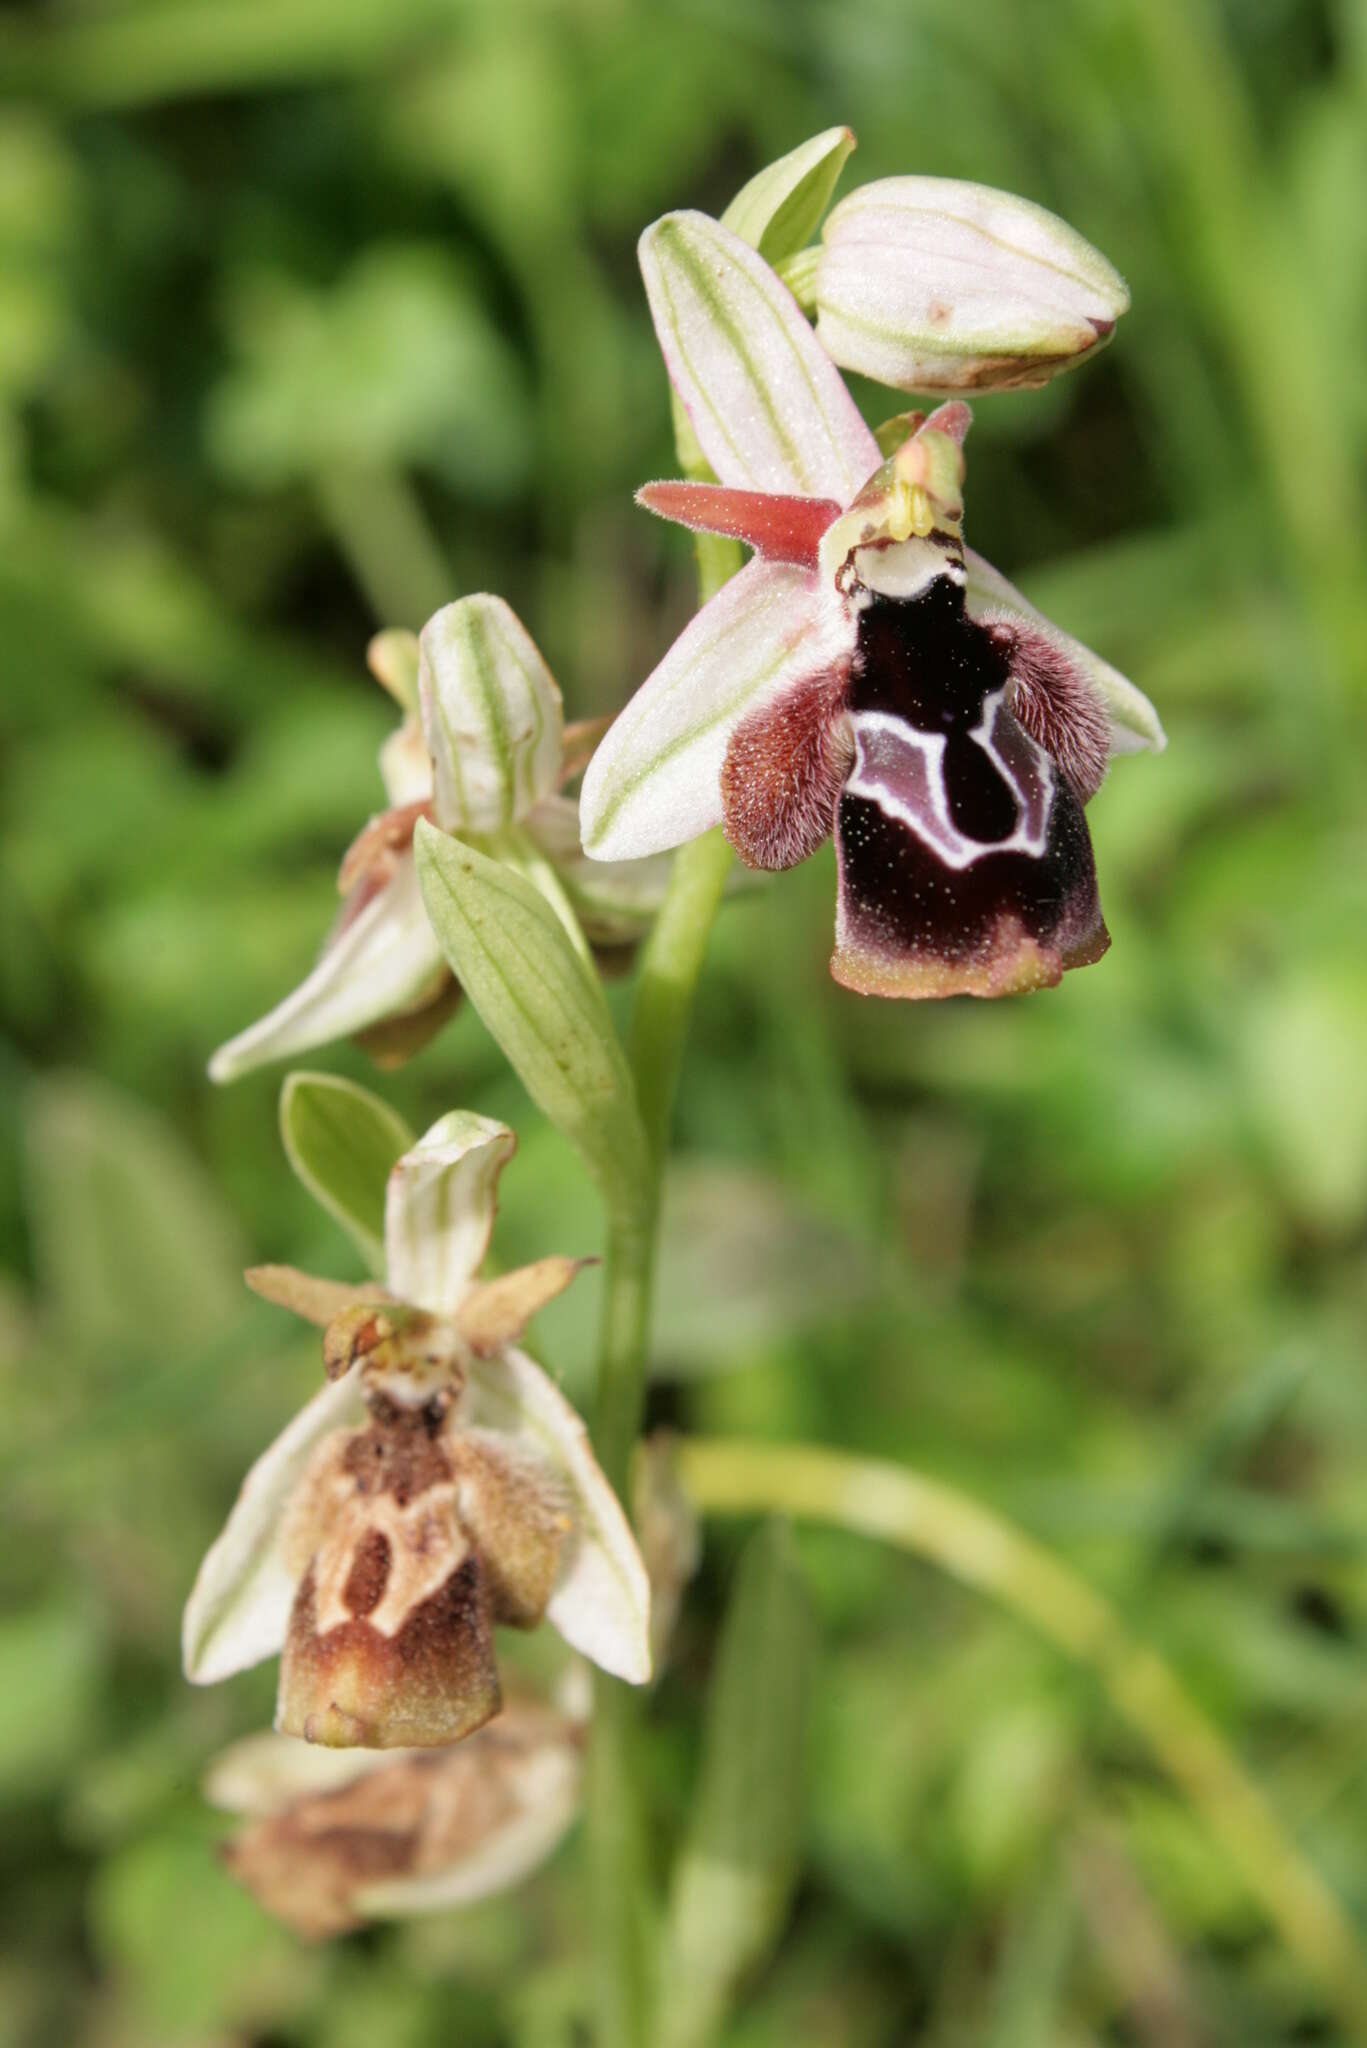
[[306, 1865], [411, 1539], [431, 1682], [780, 528]]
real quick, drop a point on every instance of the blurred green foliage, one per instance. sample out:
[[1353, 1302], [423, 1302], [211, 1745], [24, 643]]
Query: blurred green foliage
[[313, 316]]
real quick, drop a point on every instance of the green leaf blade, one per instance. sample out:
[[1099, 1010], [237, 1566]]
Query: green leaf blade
[[737, 1869], [342, 1142], [132, 1242]]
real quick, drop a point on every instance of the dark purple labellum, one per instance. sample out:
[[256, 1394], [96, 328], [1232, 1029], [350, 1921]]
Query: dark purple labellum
[[965, 862]]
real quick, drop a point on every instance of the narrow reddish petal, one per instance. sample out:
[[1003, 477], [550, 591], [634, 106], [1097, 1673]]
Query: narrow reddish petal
[[781, 529]]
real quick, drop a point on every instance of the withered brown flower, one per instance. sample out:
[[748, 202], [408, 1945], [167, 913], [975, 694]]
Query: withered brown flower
[[335, 1839], [439, 1486]]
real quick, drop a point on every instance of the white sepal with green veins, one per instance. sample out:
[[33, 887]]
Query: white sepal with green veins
[[492, 715]]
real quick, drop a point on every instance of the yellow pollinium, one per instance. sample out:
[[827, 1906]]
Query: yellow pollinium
[[909, 512]]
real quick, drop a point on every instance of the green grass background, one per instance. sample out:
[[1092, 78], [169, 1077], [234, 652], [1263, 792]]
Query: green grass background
[[312, 316]]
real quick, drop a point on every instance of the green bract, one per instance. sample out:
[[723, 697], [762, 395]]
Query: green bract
[[542, 1001], [342, 1141]]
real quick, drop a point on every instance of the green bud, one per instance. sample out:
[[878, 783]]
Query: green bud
[[929, 284]]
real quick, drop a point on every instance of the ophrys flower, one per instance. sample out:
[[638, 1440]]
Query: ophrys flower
[[332, 1840], [437, 1486], [865, 674]]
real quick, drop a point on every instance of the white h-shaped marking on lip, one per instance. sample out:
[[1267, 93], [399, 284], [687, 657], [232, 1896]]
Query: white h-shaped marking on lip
[[933, 825]]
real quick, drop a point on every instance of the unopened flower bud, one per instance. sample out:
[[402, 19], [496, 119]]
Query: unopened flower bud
[[930, 284], [492, 714]]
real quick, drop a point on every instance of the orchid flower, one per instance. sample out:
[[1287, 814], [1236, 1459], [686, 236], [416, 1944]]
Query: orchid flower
[[439, 1484], [337, 1838], [865, 674], [334, 1838], [483, 752]]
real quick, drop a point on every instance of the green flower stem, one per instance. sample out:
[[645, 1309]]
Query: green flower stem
[[377, 521], [975, 1546], [624, 1337], [670, 968], [621, 1893], [671, 963]]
